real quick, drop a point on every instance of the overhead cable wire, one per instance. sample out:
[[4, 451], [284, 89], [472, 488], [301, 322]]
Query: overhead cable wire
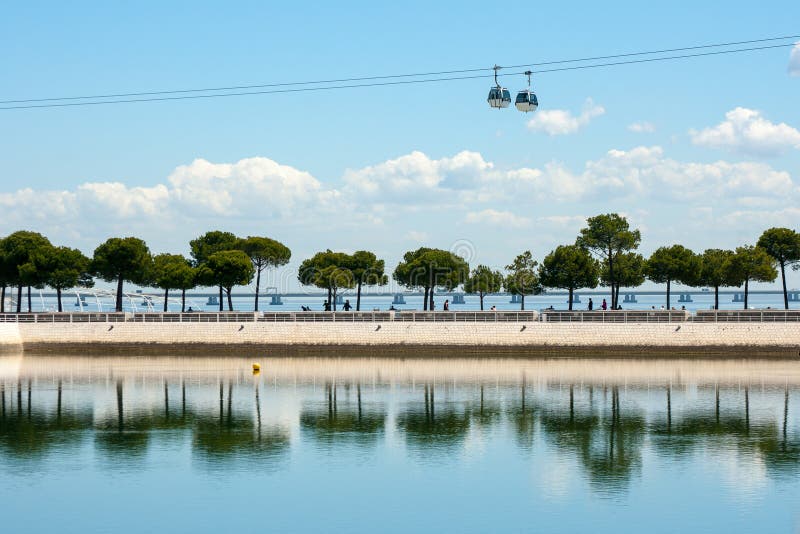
[[391, 76], [32, 104]]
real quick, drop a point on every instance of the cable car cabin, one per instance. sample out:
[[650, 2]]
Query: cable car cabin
[[526, 101], [499, 97]]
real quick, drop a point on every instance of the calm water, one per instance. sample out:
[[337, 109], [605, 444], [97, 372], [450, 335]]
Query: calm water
[[364, 445]]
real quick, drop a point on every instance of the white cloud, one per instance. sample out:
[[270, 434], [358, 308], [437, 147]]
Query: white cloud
[[794, 61], [242, 187], [122, 201], [642, 127], [416, 177], [563, 122], [746, 131], [497, 218]]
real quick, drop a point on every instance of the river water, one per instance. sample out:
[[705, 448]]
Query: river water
[[361, 445]]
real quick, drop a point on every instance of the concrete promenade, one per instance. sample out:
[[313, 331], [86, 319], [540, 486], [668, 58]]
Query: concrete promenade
[[752, 333]]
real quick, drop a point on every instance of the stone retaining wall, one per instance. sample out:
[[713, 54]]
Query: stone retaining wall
[[781, 338]]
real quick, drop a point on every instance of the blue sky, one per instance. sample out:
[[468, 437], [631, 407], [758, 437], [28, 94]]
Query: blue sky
[[715, 158]]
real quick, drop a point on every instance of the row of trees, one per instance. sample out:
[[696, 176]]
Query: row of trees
[[604, 253], [28, 259]]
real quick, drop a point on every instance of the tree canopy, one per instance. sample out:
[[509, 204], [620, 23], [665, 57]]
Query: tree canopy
[[569, 267], [783, 245], [751, 264], [673, 264], [367, 270], [226, 269], [122, 259], [173, 271], [264, 253], [328, 270], [608, 236], [60, 268], [523, 278], [715, 271], [483, 280], [429, 268]]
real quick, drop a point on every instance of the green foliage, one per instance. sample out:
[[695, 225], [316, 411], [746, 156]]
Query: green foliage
[[715, 268], [751, 264], [265, 252], [609, 236], [122, 258], [523, 278], [211, 242], [327, 270], [782, 244], [569, 267], [367, 270], [674, 264], [63, 267], [430, 268], [16, 250], [228, 268], [483, 280], [628, 270], [173, 271]]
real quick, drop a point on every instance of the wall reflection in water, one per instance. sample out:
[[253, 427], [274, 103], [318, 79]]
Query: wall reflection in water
[[603, 416]]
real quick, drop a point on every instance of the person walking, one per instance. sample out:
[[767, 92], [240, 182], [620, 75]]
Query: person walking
[[591, 305], [446, 306], [604, 305], [347, 306]]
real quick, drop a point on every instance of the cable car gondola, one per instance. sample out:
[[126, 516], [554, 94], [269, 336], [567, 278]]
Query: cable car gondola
[[526, 99], [499, 97]]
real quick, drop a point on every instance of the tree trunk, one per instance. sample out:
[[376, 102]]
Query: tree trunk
[[334, 297], [3, 300], [522, 302], [29, 299], [118, 304], [258, 285], [58, 297], [358, 297], [220, 299], [716, 297], [330, 305], [746, 288], [611, 276], [570, 299], [481, 297], [425, 300], [668, 286], [230, 302], [166, 296], [183, 300], [19, 299], [430, 282], [785, 294]]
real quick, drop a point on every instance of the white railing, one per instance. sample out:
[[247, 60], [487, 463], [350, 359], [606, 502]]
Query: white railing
[[617, 316], [548, 316]]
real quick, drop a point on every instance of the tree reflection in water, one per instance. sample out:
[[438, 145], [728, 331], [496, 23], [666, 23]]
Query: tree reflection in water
[[607, 444], [599, 427], [433, 428], [335, 422]]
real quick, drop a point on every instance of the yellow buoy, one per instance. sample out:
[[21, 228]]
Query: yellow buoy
[[256, 368]]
